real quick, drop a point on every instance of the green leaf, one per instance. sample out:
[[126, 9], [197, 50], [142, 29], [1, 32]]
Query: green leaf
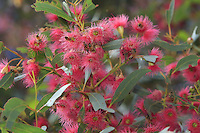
[[82, 128], [82, 112], [51, 8], [57, 60], [127, 84], [43, 101], [7, 80], [184, 62], [168, 60], [140, 91], [12, 109], [43, 73], [66, 8], [87, 74], [116, 44], [48, 54], [40, 57], [31, 54], [1, 46], [152, 106], [3, 130], [150, 58], [170, 12], [165, 45], [23, 128], [88, 5], [108, 130], [98, 102], [22, 49]]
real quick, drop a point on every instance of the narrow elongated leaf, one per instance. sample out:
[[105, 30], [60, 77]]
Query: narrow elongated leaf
[[152, 106], [116, 44], [31, 54], [40, 57], [107, 130], [88, 5], [3, 130], [19, 77], [98, 102], [43, 101], [57, 60], [56, 95], [43, 73], [7, 80], [170, 12], [66, 8], [51, 8], [165, 45], [87, 74], [150, 58], [184, 62], [140, 91], [168, 59], [82, 112], [22, 49], [48, 54], [12, 109], [23, 128], [82, 128], [127, 84], [1, 46]]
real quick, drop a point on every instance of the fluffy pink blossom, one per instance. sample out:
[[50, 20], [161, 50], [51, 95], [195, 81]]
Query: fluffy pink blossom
[[145, 28], [152, 129], [157, 52], [172, 66], [29, 67], [184, 93], [78, 12], [42, 122], [95, 120], [155, 95], [37, 41], [130, 47], [121, 20], [71, 40], [51, 17], [91, 61], [56, 34], [191, 74], [4, 68]]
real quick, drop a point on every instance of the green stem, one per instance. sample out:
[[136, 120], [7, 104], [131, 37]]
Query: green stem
[[34, 81], [14, 52], [112, 71]]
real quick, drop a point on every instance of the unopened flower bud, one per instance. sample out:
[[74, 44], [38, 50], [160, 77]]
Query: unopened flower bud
[[190, 40], [31, 60], [120, 29], [5, 70]]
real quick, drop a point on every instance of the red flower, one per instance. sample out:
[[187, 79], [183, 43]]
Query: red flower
[[169, 114], [191, 74], [193, 125], [95, 120], [128, 119]]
